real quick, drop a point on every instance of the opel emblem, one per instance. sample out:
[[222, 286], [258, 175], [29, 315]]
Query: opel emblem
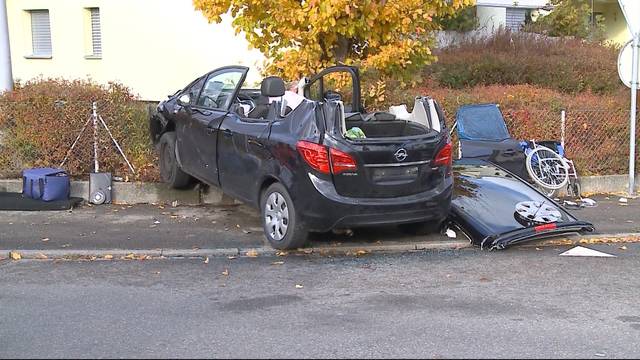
[[400, 154]]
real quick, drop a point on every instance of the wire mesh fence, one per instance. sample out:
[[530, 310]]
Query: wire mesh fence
[[596, 140]]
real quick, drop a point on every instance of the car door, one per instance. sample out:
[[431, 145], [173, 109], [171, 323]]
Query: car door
[[242, 152], [203, 119], [184, 150]]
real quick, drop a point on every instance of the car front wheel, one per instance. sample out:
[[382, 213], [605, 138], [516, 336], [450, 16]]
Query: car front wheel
[[280, 221], [170, 171]]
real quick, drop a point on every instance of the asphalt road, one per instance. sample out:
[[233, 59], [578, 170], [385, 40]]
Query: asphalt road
[[515, 303]]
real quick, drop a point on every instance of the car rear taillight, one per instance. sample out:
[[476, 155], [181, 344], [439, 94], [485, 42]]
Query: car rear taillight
[[443, 158], [545, 227], [341, 161], [315, 155]]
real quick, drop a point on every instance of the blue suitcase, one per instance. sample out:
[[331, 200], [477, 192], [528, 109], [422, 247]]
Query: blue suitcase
[[47, 184]]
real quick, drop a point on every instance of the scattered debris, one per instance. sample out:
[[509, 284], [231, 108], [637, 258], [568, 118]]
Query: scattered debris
[[156, 222], [298, 286], [281, 253], [623, 247], [277, 263], [231, 257], [450, 233], [583, 251], [623, 201], [129, 257], [41, 256], [65, 245], [45, 239], [206, 260], [14, 255], [225, 272], [252, 253], [589, 202], [174, 203], [108, 257]]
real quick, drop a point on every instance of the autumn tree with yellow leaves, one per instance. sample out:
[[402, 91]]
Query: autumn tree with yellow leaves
[[390, 37]]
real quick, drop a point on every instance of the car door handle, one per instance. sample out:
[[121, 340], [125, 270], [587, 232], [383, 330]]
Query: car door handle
[[255, 142]]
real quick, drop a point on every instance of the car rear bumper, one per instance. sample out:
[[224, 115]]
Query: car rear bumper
[[326, 209]]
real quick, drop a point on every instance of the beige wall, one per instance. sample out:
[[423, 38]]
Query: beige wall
[[153, 46], [615, 23], [491, 18]]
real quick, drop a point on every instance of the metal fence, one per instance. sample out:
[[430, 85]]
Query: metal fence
[[596, 140]]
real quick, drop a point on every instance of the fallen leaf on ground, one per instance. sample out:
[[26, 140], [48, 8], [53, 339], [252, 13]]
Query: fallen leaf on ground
[[281, 253], [307, 251], [66, 245], [231, 257], [484, 279], [298, 286], [15, 255], [277, 263], [538, 249], [130, 257], [156, 222], [361, 252], [41, 256], [93, 258], [45, 239], [246, 231], [225, 272], [174, 203], [252, 253], [623, 247], [108, 257], [206, 260]]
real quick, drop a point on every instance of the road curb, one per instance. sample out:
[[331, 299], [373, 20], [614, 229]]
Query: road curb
[[348, 250], [158, 193], [226, 252], [588, 239]]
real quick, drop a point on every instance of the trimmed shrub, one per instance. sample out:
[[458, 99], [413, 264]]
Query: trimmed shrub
[[567, 65], [40, 120]]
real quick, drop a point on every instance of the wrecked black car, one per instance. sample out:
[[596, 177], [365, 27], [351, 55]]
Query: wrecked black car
[[310, 163]]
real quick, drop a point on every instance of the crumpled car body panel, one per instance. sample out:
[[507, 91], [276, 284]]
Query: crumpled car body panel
[[484, 203]]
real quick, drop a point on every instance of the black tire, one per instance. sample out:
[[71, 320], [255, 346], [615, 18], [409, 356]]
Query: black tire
[[170, 171], [277, 209], [422, 228]]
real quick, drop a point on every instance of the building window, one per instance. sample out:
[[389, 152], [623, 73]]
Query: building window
[[40, 33], [96, 33], [515, 18]]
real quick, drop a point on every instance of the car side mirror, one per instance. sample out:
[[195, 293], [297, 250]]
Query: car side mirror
[[184, 100]]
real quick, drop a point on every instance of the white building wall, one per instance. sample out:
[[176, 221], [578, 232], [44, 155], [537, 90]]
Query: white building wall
[[153, 46], [491, 18]]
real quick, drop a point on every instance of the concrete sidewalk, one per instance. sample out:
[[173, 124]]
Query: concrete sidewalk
[[230, 229]]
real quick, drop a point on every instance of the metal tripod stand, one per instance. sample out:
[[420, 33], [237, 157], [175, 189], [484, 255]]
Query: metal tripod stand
[[94, 119]]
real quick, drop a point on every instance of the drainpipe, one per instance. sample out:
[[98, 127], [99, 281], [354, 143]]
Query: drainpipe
[[6, 79]]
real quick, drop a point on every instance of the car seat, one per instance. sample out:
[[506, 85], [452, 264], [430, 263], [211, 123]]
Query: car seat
[[271, 86]]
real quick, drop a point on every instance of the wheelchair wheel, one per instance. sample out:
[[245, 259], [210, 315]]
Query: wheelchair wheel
[[547, 169]]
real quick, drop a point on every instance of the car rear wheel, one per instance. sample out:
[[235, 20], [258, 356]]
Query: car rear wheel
[[280, 221], [170, 171], [421, 228]]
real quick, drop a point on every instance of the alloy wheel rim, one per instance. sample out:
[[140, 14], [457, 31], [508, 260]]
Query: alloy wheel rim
[[276, 216]]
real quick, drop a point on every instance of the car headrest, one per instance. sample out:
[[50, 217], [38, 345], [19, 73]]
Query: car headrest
[[272, 86]]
